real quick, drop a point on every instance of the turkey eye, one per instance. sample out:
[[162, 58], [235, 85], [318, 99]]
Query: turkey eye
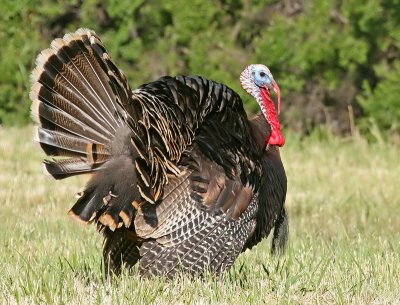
[[262, 74]]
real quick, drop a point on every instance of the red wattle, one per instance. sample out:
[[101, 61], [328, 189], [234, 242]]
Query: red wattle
[[276, 137]]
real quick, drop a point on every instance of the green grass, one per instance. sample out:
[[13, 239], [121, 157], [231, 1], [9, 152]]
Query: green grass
[[344, 248]]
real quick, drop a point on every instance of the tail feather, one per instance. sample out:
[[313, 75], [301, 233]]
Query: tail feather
[[94, 79], [87, 205], [85, 67], [58, 77], [99, 62], [81, 102], [56, 143], [61, 169], [68, 123], [107, 195], [41, 95]]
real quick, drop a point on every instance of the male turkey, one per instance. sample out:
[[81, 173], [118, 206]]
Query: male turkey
[[180, 179]]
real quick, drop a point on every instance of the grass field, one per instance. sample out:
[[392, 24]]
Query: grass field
[[344, 248]]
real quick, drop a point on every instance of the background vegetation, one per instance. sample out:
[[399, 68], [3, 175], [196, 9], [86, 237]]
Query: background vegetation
[[326, 55]]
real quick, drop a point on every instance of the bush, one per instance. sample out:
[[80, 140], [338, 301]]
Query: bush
[[383, 103], [325, 55]]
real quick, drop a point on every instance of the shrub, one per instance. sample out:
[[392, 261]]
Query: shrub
[[325, 55]]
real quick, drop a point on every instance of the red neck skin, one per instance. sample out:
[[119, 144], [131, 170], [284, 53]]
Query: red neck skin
[[276, 136]]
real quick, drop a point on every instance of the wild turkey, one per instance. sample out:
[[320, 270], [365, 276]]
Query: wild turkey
[[180, 178]]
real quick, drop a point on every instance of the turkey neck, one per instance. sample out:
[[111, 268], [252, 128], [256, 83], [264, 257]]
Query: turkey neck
[[261, 130]]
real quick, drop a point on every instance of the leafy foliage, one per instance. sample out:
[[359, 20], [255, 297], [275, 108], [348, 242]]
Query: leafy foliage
[[325, 55], [382, 104]]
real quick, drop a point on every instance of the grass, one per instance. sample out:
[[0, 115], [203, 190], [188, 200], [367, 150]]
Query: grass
[[344, 248]]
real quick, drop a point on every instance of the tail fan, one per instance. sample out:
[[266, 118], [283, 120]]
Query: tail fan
[[80, 102]]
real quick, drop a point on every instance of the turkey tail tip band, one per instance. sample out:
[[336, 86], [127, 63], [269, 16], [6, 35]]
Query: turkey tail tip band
[[56, 45], [34, 96]]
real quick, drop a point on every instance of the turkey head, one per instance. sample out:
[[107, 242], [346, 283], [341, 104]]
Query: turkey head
[[258, 81]]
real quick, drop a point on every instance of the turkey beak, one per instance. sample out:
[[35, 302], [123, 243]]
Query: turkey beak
[[278, 92]]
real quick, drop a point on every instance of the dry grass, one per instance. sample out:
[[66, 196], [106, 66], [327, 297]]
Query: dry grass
[[343, 200]]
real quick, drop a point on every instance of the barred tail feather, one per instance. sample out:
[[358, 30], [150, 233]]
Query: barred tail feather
[[74, 104], [61, 169], [80, 101]]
